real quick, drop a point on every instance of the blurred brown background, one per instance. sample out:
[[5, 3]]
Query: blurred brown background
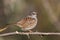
[[48, 11]]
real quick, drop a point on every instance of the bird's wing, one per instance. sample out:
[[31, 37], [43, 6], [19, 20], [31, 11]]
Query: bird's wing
[[26, 22]]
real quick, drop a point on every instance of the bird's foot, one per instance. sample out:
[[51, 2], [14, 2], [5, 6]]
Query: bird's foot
[[30, 31]]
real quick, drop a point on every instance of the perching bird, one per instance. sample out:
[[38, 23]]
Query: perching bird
[[29, 22]]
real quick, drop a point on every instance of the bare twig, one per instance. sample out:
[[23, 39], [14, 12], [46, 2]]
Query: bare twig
[[25, 33]]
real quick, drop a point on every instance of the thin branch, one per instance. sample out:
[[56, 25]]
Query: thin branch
[[27, 33]]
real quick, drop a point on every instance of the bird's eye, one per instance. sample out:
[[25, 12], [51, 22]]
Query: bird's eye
[[34, 13]]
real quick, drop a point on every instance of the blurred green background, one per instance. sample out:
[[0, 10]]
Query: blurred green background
[[12, 11]]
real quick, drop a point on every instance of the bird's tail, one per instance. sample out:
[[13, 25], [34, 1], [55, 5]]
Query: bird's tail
[[2, 29]]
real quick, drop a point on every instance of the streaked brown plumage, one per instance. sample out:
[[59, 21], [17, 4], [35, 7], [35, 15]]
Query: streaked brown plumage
[[28, 22]]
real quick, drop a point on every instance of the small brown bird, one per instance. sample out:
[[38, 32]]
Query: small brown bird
[[28, 22]]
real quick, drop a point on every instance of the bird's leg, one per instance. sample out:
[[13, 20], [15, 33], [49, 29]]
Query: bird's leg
[[36, 31], [30, 31]]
